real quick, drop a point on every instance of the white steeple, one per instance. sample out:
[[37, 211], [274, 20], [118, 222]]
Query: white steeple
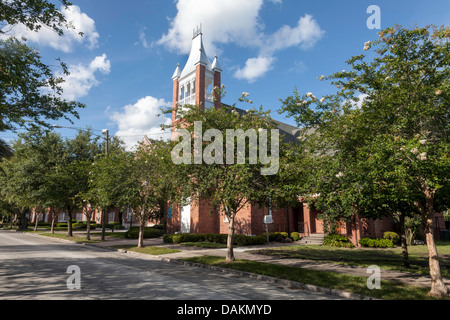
[[177, 73], [216, 65], [197, 56], [195, 84]]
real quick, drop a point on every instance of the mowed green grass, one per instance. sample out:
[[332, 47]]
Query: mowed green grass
[[390, 290], [387, 258]]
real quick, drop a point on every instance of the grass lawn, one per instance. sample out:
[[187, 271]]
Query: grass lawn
[[388, 259], [156, 251], [204, 244], [110, 234], [389, 290], [78, 239]]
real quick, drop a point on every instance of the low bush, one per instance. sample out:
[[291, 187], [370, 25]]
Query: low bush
[[295, 236], [149, 232], [376, 243], [394, 237], [336, 240], [188, 237], [240, 240], [277, 236]]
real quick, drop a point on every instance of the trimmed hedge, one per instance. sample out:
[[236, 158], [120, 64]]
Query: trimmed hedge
[[336, 240], [394, 237], [295, 236], [376, 243], [149, 232], [240, 240], [277, 236]]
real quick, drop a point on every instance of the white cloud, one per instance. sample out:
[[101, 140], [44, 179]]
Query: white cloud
[[80, 22], [254, 68], [305, 34], [143, 38], [139, 119], [231, 21], [238, 22], [82, 78]]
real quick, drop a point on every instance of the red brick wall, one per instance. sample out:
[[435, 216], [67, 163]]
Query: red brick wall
[[200, 86]]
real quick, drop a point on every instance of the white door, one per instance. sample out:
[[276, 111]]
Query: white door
[[186, 218]]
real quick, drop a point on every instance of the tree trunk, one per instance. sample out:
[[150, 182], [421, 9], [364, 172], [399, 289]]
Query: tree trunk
[[141, 234], [36, 217], [103, 224], [230, 240], [69, 224], [88, 228], [438, 287], [53, 222], [404, 242]]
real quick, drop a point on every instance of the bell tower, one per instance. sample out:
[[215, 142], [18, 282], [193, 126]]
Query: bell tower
[[195, 84]]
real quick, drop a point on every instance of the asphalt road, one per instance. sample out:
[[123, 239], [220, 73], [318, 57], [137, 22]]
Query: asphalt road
[[35, 268]]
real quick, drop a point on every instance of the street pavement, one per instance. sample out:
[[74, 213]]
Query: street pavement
[[34, 267]]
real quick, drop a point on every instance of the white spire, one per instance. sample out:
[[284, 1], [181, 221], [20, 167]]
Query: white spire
[[216, 65], [177, 73], [197, 56]]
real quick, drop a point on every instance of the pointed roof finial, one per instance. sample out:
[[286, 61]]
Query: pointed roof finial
[[177, 73], [197, 31], [216, 65]]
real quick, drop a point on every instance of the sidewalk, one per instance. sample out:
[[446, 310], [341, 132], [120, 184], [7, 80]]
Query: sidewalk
[[242, 253]]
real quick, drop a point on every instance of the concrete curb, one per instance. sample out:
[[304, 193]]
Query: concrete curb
[[288, 283]]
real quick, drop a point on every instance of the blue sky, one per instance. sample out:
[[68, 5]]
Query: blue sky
[[122, 67]]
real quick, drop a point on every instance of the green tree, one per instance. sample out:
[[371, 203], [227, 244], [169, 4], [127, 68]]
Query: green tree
[[381, 143], [228, 179], [143, 181], [30, 93]]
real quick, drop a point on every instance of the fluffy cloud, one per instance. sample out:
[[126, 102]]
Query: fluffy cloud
[[254, 68], [139, 119], [224, 21], [82, 78], [79, 22], [238, 22]]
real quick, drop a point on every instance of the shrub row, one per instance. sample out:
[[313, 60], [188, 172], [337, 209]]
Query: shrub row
[[335, 240], [149, 232], [295, 236], [277, 236], [394, 237], [376, 243], [240, 240]]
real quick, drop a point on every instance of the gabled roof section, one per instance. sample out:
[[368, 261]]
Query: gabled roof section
[[197, 56]]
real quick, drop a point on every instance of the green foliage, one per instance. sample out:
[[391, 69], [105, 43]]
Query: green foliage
[[393, 236], [240, 240], [149, 232], [30, 93], [335, 240], [82, 225], [376, 243], [277, 236], [295, 236]]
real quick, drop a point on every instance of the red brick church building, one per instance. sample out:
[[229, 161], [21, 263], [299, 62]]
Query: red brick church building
[[193, 85]]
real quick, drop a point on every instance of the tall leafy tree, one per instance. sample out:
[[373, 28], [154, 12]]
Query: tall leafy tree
[[30, 93], [382, 141], [228, 177]]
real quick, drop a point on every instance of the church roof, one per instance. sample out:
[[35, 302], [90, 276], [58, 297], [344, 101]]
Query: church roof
[[197, 56]]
